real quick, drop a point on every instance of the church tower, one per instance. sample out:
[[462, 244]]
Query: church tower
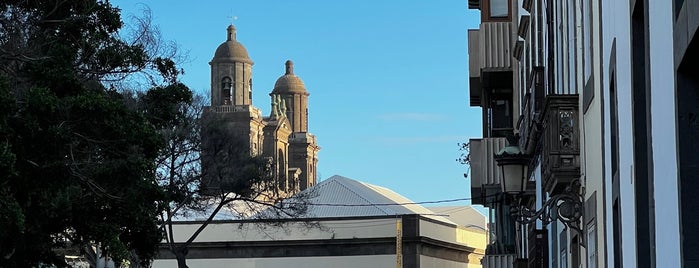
[[303, 148], [231, 124], [293, 91], [233, 127], [231, 73]]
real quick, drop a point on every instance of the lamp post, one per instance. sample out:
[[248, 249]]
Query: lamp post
[[566, 206], [514, 166]]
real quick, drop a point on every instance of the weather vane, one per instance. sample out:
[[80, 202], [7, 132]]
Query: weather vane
[[233, 18]]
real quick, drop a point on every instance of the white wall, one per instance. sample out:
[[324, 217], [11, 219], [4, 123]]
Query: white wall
[[432, 262], [368, 228], [301, 262], [593, 152], [616, 18], [616, 24], [331, 229], [663, 111], [471, 238], [314, 262]]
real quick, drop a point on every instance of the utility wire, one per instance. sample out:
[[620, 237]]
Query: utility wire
[[386, 204]]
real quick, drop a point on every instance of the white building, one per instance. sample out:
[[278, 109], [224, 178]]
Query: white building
[[650, 103], [359, 225], [607, 97]]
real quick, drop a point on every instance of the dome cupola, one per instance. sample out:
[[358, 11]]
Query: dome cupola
[[231, 50], [231, 73], [289, 82]]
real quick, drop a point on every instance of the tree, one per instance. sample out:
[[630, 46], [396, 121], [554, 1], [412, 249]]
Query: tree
[[83, 161], [77, 164], [465, 157], [245, 183]]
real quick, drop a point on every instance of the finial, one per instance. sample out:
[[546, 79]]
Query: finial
[[289, 67], [282, 107], [275, 107], [231, 32]]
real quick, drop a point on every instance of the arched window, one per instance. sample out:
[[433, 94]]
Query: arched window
[[250, 89], [281, 179], [226, 85]]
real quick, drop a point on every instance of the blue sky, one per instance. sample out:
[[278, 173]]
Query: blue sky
[[388, 79]]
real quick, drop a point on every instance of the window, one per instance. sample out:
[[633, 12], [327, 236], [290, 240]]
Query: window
[[502, 114], [616, 236], [226, 91], [572, 88], [586, 10], [614, 114], [250, 88], [591, 245], [499, 8], [642, 141]]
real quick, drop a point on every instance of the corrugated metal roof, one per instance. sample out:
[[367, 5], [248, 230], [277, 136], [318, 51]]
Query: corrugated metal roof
[[334, 197], [339, 196], [465, 216]]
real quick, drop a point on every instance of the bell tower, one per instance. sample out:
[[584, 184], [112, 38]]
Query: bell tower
[[293, 91], [231, 73], [231, 125], [303, 148]]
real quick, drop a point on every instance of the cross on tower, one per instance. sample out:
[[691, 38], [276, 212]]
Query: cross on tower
[[232, 18]]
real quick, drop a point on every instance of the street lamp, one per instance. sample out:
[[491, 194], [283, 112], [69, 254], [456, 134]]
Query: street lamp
[[566, 206], [514, 166]]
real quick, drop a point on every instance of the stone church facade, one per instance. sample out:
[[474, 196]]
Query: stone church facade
[[282, 137]]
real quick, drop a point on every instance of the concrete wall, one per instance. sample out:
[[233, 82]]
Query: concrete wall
[[663, 109], [364, 242], [451, 234], [233, 231], [308, 262], [616, 30], [616, 15], [315, 262], [593, 153], [431, 262]]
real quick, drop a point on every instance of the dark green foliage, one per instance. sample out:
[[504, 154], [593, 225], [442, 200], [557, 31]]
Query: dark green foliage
[[80, 167], [164, 105], [77, 164]]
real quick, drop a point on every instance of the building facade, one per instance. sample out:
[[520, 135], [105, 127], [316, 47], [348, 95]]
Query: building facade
[[650, 102], [349, 223], [604, 96], [233, 121]]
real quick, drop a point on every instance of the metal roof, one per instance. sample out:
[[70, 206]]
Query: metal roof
[[465, 216], [339, 196], [335, 197]]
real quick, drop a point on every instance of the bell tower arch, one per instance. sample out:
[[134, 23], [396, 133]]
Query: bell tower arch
[[231, 73]]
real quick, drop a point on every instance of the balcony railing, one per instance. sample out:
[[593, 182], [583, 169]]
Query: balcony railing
[[221, 109]]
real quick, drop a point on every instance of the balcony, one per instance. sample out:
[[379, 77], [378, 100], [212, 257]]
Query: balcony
[[529, 121], [495, 40], [474, 67], [498, 261], [485, 177], [490, 57], [561, 142], [246, 110]]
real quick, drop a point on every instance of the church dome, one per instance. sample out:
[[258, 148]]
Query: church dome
[[231, 50], [289, 82]]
